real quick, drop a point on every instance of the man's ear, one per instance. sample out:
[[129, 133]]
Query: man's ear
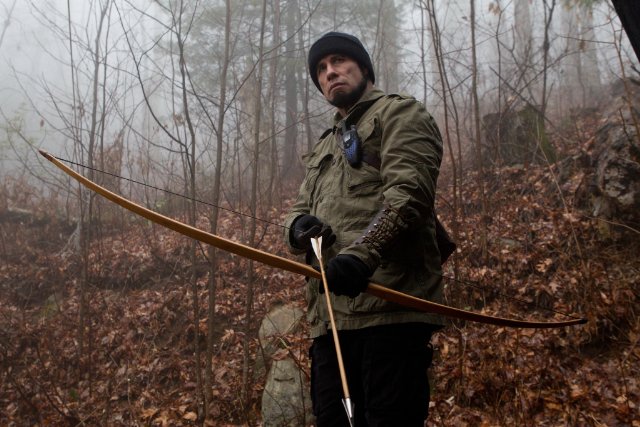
[[365, 72]]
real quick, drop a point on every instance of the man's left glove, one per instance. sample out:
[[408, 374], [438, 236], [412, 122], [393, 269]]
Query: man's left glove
[[347, 275]]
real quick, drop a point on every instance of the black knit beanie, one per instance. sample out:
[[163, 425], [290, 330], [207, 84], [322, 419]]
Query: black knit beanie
[[342, 43]]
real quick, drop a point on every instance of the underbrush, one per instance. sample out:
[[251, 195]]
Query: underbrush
[[131, 360]]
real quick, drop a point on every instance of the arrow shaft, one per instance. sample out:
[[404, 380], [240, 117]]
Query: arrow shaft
[[317, 248]]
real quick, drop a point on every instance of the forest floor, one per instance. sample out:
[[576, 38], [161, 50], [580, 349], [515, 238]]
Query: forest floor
[[132, 363]]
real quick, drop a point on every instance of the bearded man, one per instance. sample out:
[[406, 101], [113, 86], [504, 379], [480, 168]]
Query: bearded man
[[369, 191]]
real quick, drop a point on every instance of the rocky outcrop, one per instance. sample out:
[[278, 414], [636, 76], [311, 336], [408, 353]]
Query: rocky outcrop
[[517, 137], [615, 158]]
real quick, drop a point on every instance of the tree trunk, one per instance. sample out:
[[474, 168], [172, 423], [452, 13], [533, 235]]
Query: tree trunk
[[478, 134], [290, 162], [213, 220], [274, 168], [246, 393]]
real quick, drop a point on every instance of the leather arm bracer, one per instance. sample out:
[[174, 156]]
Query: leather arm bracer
[[381, 233]]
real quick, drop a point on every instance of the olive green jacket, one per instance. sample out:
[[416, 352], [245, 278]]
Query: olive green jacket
[[398, 131]]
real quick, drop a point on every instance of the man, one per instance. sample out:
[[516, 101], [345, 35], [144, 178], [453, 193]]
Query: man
[[369, 191]]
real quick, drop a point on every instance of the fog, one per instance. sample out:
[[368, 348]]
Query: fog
[[47, 81]]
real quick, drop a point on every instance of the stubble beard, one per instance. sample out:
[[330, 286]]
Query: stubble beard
[[345, 100]]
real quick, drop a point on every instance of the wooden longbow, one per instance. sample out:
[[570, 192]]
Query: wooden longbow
[[299, 268]]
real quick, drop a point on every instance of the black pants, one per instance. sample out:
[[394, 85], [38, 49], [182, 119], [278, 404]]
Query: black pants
[[386, 369]]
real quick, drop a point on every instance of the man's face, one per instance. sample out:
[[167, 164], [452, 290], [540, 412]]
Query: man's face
[[341, 80]]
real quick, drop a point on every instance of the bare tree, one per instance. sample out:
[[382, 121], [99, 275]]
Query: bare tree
[[213, 220], [253, 207], [8, 12], [549, 7], [291, 90], [274, 167], [386, 50], [477, 133], [450, 109], [523, 36], [181, 16], [590, 74]]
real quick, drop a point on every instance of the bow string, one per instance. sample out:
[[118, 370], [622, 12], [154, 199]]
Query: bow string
[[279, 262]]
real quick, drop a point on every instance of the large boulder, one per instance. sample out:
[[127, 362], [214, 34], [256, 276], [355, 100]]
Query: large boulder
[[280, 321], [517, 136], [285, 400]]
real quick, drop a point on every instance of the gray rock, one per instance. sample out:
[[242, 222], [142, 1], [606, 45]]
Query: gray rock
[[281, 320], [618, 173], [285, 400]]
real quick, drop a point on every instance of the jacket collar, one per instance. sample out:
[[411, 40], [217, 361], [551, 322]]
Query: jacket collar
[[365, 101]]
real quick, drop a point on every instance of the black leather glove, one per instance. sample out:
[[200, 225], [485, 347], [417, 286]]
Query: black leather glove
[[347, 275], [307, 226]]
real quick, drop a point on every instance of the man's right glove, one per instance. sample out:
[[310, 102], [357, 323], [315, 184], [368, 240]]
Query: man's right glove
[[307, 226], [347, 275]]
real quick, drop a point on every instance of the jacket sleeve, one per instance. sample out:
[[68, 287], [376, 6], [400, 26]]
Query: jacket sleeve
[[410, 154], [299, 208]]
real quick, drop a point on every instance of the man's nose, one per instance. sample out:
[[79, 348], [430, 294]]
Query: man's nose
[[331, 72]]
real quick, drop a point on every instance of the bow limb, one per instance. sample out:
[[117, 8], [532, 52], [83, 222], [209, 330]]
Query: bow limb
[[444, 310], [297, 267]]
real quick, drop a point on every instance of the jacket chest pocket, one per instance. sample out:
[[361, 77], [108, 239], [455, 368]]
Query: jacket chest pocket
[[315, 164], [366, 178]]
